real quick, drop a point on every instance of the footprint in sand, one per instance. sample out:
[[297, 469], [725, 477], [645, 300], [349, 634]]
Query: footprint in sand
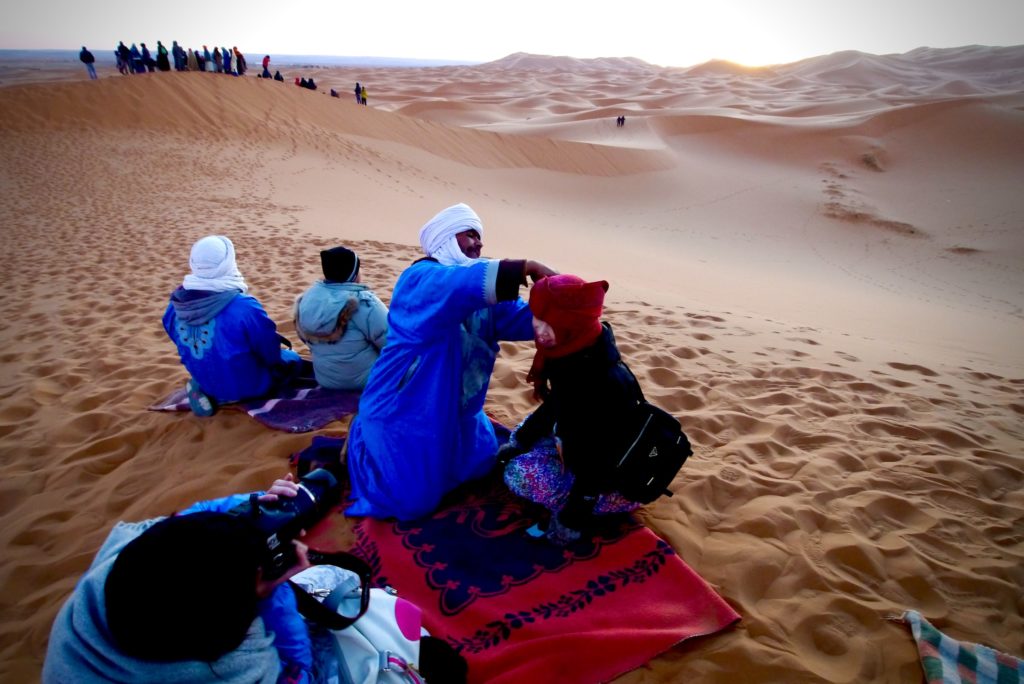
[[910, 367]]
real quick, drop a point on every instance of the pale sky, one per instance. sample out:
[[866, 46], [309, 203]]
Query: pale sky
[[664, 32]]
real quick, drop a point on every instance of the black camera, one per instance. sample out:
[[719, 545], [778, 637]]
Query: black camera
[[282, 520]]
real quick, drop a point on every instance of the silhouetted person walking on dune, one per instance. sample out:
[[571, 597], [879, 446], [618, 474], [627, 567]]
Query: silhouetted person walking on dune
[[89, 61], [163, 63], [147, 59], [138, 66]]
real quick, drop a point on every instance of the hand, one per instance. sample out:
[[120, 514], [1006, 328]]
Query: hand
[[301, 558], [285, 486], [536, 270], [506, 452], [265, 587]]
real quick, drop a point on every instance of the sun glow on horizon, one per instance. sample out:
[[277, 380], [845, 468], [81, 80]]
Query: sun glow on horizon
[[747, 33]]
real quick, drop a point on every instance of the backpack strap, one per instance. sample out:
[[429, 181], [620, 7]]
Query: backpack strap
[[641, 399], [316, 612]]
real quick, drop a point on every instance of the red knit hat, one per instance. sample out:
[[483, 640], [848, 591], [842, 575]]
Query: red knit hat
[[572, 307]]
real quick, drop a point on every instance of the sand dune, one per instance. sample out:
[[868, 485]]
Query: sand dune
[[817, 267]]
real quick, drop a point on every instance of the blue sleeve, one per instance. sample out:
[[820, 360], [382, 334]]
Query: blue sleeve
[[217, 505], [168, 321], [291, 637], [429, 298], [260, 331], [513, 320]]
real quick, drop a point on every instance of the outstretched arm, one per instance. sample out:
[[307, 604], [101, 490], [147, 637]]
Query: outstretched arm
[[516, 273], [536, 270]]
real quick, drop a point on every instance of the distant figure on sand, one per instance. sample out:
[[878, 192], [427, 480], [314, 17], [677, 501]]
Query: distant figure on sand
[[147, 59], [421, 429], [359, 94], [125, 57], [239, 61], [163, 63], [224, 338], [278, 76], [178, 53], [266, 66], [362, 94], [89, 61], [344, 323], [562, 455], [137, 65]]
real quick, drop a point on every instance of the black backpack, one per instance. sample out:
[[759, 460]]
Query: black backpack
[[655, 453]]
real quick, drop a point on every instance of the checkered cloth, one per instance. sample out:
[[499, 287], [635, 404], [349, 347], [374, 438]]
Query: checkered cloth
[[948, 661]]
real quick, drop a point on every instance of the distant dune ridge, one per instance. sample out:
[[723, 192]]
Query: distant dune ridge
[[817, 267]]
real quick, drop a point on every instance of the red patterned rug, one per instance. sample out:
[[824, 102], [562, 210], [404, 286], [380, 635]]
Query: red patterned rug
[[522, 610]]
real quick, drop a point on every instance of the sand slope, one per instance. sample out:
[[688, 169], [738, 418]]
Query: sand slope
[[817, 267]]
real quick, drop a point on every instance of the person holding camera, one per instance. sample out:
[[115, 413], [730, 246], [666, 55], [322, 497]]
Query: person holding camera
[[188, 598]]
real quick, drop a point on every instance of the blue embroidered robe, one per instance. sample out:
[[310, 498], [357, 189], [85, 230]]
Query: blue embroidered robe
[[421, 430]]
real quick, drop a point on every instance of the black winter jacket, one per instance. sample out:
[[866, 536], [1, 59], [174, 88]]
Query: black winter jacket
[[591, 392]]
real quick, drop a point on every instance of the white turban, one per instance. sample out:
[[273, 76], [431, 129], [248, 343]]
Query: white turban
[[213, 266], [437, 236]]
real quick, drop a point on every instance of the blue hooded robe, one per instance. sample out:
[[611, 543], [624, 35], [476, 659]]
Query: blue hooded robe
[[228, 343], [421, 430]]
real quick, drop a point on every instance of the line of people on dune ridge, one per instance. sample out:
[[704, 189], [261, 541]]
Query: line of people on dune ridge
[[132, 60], [139, 60], [423, 367]]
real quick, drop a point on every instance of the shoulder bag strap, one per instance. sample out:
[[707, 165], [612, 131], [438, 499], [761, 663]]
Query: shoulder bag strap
[[316, 612]]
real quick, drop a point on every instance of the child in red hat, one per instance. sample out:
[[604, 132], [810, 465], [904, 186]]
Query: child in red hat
[[562, 455]]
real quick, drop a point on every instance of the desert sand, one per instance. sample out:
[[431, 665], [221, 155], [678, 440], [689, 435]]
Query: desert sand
[[817, 267]]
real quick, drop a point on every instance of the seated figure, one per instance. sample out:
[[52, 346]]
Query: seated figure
[[198, 597], [344, 323], [421, 429], [562, 455], [225, 339], [183, 599]]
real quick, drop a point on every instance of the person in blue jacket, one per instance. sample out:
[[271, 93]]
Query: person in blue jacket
[[184, 599], [147, 59], [421, 429], [224, 338], [138, 66]]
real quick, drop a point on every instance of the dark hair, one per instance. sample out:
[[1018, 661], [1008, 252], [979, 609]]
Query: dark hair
[[340, 264], [185, 589]]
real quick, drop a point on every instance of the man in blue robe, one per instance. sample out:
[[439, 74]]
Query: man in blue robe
[[224, 337], [421, 429]]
